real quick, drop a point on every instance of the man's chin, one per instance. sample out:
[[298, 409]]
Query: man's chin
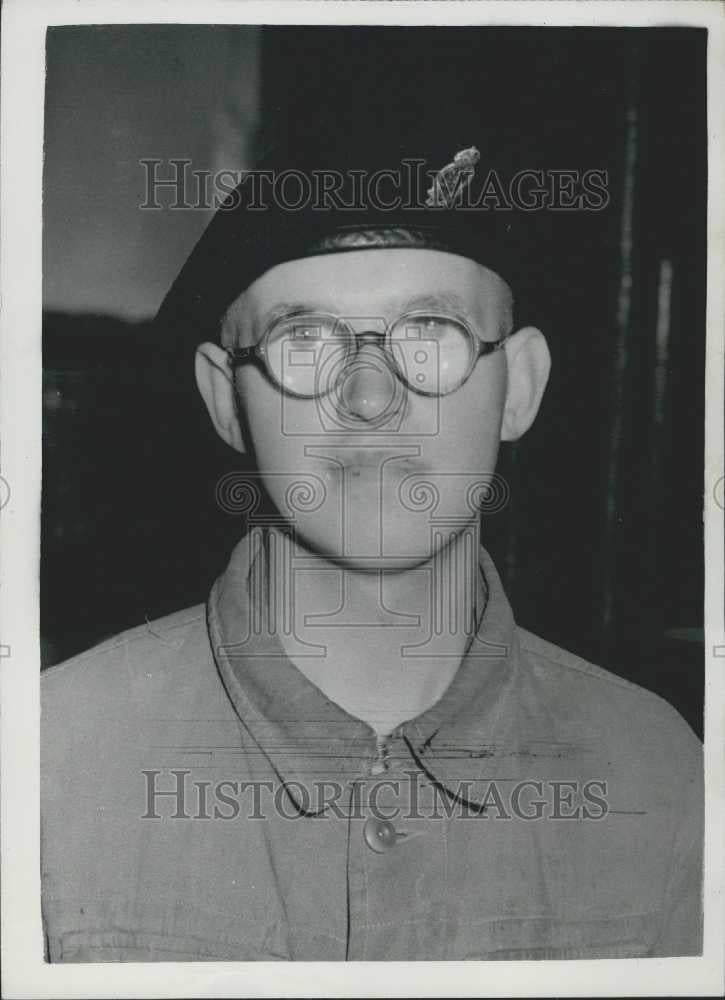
[[395, 552], [375, 563]]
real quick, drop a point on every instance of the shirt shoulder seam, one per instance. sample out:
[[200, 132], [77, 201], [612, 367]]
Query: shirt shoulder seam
[[126, 639], [582, 666], [590, 670]]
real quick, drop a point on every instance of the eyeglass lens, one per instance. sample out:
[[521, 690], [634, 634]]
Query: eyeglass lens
[[307, 355]]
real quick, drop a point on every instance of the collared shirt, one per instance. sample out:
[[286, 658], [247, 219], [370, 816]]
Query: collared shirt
[[203, 800]]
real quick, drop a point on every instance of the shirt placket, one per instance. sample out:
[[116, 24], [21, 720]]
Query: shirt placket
[[397, 866]]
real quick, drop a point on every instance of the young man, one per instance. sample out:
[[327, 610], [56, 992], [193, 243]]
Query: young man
[[352, 752]]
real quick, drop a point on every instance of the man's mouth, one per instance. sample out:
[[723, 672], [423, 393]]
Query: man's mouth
[[375, 457], [372, 463]]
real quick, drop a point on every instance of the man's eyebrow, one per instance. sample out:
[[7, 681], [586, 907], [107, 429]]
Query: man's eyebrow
[[439, 301], [282, 309]]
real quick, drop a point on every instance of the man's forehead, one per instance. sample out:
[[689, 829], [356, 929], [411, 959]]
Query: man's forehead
[[375, 283]]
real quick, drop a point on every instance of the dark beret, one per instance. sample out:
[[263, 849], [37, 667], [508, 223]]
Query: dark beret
[[381, 184]]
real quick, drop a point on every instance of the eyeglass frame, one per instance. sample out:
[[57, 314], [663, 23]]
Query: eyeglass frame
[[257, 353]]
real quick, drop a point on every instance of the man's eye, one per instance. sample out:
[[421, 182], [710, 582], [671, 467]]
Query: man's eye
[[308, 332], [438, 328], [305, 328]]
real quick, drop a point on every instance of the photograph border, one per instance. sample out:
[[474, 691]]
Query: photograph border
[[25, 974]]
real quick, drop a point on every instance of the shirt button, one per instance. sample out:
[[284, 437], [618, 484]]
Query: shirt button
[[380, 835]]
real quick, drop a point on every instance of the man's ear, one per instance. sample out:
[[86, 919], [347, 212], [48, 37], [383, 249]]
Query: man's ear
[[215, 382], [529, 363]]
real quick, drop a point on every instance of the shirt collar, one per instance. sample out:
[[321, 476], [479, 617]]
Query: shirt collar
[[308, 738]]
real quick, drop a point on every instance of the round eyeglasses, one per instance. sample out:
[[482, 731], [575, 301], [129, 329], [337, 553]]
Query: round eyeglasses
[[307, 355]]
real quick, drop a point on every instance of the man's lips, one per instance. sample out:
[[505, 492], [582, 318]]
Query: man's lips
[[375, 458]]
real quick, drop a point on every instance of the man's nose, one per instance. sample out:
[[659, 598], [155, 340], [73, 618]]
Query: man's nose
[[368, 389]]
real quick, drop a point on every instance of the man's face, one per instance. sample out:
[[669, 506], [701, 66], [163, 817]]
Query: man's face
[[387, 474]]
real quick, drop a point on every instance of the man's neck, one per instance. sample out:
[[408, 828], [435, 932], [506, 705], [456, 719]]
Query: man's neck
[[383, 644]]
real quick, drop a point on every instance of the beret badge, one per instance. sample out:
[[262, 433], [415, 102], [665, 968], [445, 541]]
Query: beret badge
[[451, 180]]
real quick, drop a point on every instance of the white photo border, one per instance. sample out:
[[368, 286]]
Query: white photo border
[[25, 972]]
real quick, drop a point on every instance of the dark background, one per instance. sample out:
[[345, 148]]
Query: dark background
[[601, 546]]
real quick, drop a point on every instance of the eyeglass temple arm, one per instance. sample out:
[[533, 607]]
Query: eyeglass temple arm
[[489, 346], [245, 355]]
